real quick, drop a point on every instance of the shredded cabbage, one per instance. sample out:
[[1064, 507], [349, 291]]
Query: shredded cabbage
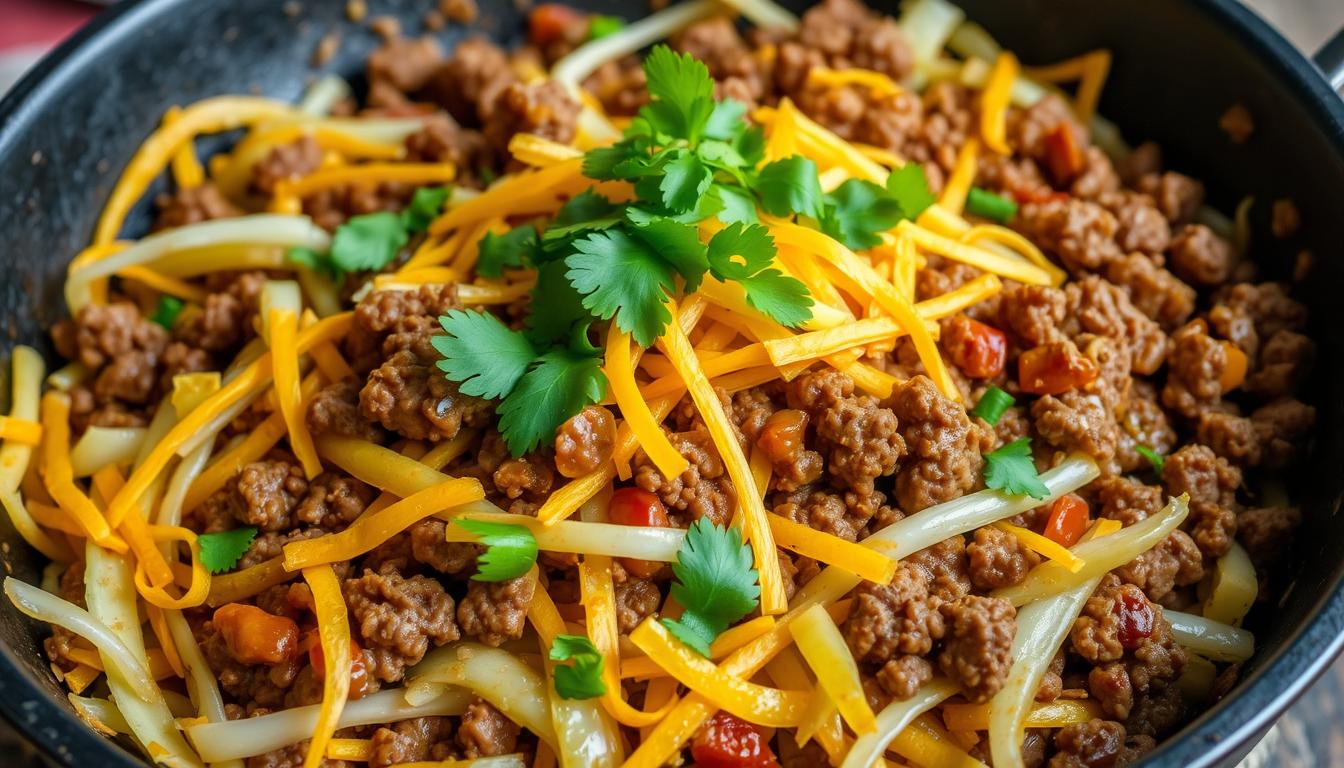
[[643, 543], [868, 749], [481, 669], [574, 68], [326, 93], [1210, 639], [102, 446], [928, 24]]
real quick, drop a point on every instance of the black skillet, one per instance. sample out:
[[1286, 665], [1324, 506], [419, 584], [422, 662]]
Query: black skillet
[[67, 129]]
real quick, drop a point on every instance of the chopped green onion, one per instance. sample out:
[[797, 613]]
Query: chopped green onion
[[992, 405], [990, 206], [601, 26], [1153, 457], [166, 313]]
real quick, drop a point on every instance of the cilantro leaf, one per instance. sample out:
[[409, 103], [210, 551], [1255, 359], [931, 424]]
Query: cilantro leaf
[[556, 306], [716, 583], [685, 180], [601, 163], [557, 386], [368, 242], [583, 678], [511, 249], [585, 206], [220, 551], [911, 189], [320, 263], [790, 186], [780, 297], [165, 314], [728, 119], [1012, 470], [857, 210], [682, 93], [1156, 459], [601, 26], [426, 203], [510, 550], [481, 353], [737, 252], [621, 276], [679, 245], [737, 204]]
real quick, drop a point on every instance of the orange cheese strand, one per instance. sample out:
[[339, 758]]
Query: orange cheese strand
[[288, 192], [599, 602], [247, 383], [827, 548], [333, 629], [253, 580], [284, 328], [221, 113], [371, 530], [751, 509], [163, 283], [197, 577], [994, 103], [59, 476], [634, 408], [963, 175], [20, 431]]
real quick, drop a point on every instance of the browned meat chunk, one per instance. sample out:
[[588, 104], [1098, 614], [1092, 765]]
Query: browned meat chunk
[[493, 612]]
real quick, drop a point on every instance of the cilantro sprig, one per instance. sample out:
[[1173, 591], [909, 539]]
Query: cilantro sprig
[[1156, 459], [582, 678], [371, 241], [221, 551], [1012, 470], [716, 584], [510, 550]]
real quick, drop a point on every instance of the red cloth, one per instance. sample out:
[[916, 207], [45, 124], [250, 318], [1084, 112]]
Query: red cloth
[[43, 23]]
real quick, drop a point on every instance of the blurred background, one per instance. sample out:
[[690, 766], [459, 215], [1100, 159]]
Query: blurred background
[[1308, 736]]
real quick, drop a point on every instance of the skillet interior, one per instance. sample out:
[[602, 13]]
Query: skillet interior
[[66, 131]]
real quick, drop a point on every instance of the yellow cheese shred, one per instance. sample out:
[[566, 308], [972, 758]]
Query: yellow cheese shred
[[1020, 270], [383, 468], [901, 309], [213, 115], [810, 346], [284, 352], [20, 431], [159, 626], [926, 742], [247, 383], [824, 649], [528, 192], [959, 183], [876, 82], [994, 103], [1056, 714], [263, 437], [354, 750], [830, 549], [1090, 69], [828, 149], [598, 596], [187, 170], [253, 580], [642, 667], [1043, 546], [1016, 242], [751, 510], [531, 149], [163, 283], [333, 629], [59, 476], [290, 193], [371, 530], [330, 362], [198, 587], [770, 707], [634, 408]]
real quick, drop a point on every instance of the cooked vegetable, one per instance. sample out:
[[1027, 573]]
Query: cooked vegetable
[[716, 584], [980, 202], [220, 551], [1012, 470], [993, 404]]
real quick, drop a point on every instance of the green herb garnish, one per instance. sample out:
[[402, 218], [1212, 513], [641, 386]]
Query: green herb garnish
[[1153, 457], [988, 205], [992, 405], [426, 204], [601, 26], [165, 314], [581, 679], [510, 550], [1011, 470], [716, 584], [221, 551]]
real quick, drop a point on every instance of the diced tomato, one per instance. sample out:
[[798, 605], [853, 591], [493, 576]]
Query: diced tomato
[[1136, 620], [783, 433], [549, 22], [731, 742], [1054, 368], [979, 350], [1234, 373], [254, 636], [1062, 155], [1067, 521], [636, 506], [359, 674], [1037, 194]]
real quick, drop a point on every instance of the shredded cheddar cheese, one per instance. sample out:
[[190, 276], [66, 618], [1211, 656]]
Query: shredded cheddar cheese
[[751, 511], [1043, 546], [825, 650], [59, 477], [994, 103], [634, 408], [333, 629], [20, 431], [531, 149], [284, 351], [289, 193], [1020, 270], [832, 550], [959, 183], [876, 82]]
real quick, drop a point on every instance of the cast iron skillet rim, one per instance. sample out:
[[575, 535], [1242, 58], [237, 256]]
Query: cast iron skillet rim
[[1280, 680]]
